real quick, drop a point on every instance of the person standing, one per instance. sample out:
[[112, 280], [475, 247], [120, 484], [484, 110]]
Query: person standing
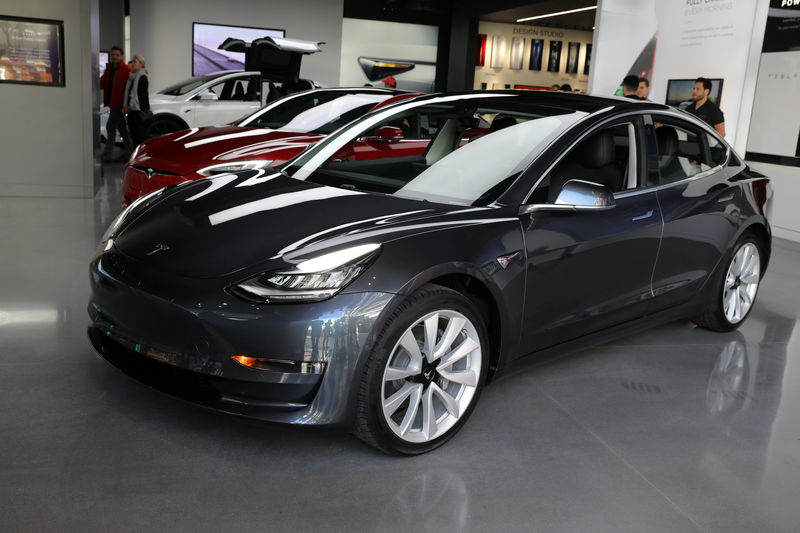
[[137, 101], [630, 84], [113, 83], [644, 88], [704, 108]]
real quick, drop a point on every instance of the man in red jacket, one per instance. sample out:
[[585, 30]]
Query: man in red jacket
[[113, 83]]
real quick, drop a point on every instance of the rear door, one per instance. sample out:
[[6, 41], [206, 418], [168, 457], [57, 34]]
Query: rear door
[[233, 98], [587, 271], [698, 206]]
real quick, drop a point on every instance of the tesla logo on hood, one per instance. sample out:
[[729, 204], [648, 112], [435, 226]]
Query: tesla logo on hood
[[159, 248], [149, 173]]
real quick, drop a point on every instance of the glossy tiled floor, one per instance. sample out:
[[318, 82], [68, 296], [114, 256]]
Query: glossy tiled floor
[[676, 429]]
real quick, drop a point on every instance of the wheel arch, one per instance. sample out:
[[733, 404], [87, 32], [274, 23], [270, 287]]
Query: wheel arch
[[166, 115], [479, 294], [762, 235]]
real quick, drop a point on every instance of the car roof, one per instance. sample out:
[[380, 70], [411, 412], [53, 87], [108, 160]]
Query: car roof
[[579, 102]]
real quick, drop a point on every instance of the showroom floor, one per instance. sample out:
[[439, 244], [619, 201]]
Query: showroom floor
[[676, 429]]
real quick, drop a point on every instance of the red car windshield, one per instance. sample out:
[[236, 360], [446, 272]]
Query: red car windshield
[[314, 112]]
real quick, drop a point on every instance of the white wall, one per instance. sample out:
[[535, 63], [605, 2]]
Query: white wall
[[622, 30], [161, 31], [46, 139], [694, 38], [497, 78], [783, 215]]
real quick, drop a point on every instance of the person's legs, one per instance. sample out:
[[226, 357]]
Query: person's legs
[[114, 116], [135, 125], [125, 134]]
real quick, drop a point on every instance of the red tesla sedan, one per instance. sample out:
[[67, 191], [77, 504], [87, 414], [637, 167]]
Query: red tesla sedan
[[270, 136]]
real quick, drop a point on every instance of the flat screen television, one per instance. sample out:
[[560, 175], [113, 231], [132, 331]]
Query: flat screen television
[[104, 58], [207, 58], [679, 92], [31, 51]]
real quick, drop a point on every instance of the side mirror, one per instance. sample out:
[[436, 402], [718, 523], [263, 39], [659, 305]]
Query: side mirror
[[577, 195], [386, 134], [586, 195], [207, 95]]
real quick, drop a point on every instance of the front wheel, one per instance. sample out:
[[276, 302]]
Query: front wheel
[[736, 291], [423, 378]]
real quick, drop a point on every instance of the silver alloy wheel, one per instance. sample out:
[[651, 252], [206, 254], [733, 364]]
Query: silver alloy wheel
[[431, 376], [741, 283]]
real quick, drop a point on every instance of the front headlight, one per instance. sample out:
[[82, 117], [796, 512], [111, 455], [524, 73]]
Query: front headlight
[[222, 168], [309, 281], [114, 226]]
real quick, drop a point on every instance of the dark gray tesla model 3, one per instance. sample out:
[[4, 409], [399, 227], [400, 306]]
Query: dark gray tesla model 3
[[380, 289]]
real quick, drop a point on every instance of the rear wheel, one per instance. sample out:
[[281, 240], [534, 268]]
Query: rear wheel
[[736, 290], [423, 378]]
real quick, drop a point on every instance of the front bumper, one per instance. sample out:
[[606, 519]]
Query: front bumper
[[180, 335]]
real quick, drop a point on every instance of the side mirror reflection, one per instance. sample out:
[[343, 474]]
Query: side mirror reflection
[[577, 195]]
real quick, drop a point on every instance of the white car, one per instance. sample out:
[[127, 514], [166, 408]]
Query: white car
[[225, 96], [209, 100]]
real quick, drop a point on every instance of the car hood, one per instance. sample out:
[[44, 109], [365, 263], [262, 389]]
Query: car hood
[[216, 227], [190, 150]]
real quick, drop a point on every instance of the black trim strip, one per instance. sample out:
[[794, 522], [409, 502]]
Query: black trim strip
[[773, 159]]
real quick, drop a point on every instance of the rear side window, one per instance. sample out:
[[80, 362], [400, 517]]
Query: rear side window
[[683, 151]]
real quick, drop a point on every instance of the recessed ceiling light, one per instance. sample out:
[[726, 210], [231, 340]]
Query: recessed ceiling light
[[556, 14]]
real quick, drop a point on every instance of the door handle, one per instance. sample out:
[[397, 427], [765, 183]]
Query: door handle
[[642, 217], [726, 199]]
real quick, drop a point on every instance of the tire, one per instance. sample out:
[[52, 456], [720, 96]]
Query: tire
[[408, 405], [736, 287], [163, 125]]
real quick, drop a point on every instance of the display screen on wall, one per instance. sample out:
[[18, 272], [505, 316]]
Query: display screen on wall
[[679, 92], [104, 59], [573, 52], [553, 64], [517, 50], [588, 59], [31, 51], [373, 50], [535, 61], [498, 52], [206, 38], [480, 58]]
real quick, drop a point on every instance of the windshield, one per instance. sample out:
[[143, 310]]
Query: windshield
[[461, 149], [313, 112], [188, 85]]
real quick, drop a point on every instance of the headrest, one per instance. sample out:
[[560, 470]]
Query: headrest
[[502, 121], [667, 139], [597, 151]]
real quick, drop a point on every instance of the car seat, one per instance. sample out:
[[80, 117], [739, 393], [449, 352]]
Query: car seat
[[668, 165], [238, 91], [593, 160]]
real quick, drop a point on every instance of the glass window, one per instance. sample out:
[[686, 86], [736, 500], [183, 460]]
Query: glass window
[[236, 89], [314, 112], [460, 150], [607, 157], [188, 85], [681, 151]]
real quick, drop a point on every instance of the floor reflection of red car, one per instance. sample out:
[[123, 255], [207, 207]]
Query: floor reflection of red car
[[268, 137]]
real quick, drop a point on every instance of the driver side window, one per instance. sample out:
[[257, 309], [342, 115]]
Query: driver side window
[[607, 157]]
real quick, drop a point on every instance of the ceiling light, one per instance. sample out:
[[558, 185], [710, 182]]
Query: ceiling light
[[557, 14]]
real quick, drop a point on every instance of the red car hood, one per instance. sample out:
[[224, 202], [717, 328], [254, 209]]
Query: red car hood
[[190, 150]]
